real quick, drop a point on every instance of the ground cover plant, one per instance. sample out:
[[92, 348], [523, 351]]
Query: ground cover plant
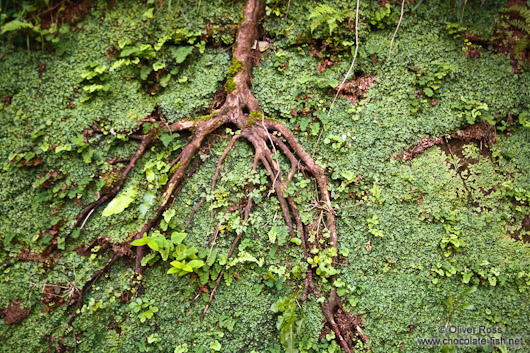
[[197, 177]]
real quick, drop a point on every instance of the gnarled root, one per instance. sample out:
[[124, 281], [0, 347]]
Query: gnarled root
[[267, 138]]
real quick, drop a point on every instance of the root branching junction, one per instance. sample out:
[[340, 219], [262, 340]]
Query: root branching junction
[[240, 109]]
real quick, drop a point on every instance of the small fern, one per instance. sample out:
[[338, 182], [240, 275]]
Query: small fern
[[327, 14], [523, 24]]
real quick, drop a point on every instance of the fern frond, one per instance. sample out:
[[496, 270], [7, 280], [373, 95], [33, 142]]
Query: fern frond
[[522, 11], [322, 10], [520, 46], [16, 25], [520, 24]]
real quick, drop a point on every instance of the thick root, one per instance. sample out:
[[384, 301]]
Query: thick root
[[261, 135]]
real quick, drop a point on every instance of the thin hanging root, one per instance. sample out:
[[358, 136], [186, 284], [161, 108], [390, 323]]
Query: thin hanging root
[[294, 162], [248, 207], [238, 237], [192, 214], [87, 211], [279, 194], [315, 170], [397, 27], [221, 160], [90, 283]]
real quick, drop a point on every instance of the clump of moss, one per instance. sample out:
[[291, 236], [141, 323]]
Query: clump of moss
[[234, 68], [230, 85], [203, 117]]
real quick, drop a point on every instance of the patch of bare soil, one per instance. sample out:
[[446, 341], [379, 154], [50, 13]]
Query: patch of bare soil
[[103, 244], [14, 313], [6, 100], [32, 256], [60, 12], [483, 134], [354, 90]]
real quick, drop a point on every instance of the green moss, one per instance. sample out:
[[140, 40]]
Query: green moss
[[230, 85], [235, 67], [203, 117], [400, 282]]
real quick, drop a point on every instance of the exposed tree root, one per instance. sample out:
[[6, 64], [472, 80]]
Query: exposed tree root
[[483, 133], [79, 300], [240, 109]]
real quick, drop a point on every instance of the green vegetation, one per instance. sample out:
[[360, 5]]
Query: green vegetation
[[439, 240]]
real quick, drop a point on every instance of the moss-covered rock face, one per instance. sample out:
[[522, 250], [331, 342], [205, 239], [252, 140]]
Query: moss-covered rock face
[[412, 234]]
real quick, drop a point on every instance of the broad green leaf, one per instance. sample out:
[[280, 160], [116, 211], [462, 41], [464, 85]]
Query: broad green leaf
[[428, 92], [149, 13], [140, 242], [181, 348], [167, 138], [148, 201], [153, 244], [120, 203], [173, 270], [158, 65], [177, 237], [215, 345], [196, 264], [296, 241]]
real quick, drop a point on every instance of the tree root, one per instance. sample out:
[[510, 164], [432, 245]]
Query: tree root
[[264, 136], [89, 284]]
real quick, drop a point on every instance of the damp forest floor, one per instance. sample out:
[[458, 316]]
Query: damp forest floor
[[427, 153]]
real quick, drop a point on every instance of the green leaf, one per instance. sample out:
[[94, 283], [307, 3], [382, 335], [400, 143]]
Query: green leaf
[[177, 237], [215, 345], [181, 348], [296, 241], [153, 244], [467, 306], [196, 264], [16, 25], [148, 201], [149, 13], [181, 53], [167, 138], [144, 72], [168, 214], [428, 92], [492, 280], [272, 235], [140, 242], [120, 203], [158, 65], [173, 270]]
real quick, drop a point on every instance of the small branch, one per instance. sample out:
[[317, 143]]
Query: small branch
[[121, 160]]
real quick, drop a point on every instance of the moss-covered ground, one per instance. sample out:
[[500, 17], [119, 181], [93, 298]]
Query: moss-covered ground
[[413, 235]]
